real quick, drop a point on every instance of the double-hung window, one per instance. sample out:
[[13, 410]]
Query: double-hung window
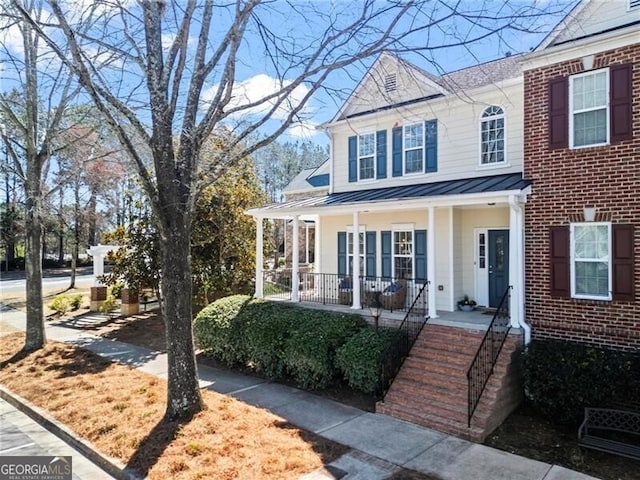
[[492, 139], [591, 260], [413, 148], [589, 108], [403, 254], [350, 251], [366, 156]]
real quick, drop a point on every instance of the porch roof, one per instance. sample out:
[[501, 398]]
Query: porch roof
[[463, 190]]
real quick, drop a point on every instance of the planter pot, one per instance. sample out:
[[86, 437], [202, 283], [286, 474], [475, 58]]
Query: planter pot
[[466, 308]]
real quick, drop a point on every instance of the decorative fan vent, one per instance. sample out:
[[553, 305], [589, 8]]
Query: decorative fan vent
[[391, 82], [634, 4]]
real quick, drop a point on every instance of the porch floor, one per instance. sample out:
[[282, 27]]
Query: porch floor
[[478, 319]]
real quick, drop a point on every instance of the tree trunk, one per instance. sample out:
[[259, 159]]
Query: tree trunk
[[76, 234], [35, 335], [92, 218], [183, 396]]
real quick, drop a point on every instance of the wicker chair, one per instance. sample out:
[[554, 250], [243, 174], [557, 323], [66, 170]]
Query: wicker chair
[[394, 299]]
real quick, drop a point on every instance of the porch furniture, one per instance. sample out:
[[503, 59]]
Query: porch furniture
[[394, 296], [612, 431], [345, 291]]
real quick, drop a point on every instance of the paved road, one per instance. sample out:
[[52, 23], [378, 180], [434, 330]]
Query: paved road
[[19, 436], [10, 285]]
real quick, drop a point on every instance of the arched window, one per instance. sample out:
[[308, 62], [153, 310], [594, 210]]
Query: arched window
[[492, 136]]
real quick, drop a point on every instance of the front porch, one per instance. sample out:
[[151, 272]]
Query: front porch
[[478, 319]]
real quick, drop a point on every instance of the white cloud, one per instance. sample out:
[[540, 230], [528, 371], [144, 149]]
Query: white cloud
[[303, 129], [11, 38], [256, 90]]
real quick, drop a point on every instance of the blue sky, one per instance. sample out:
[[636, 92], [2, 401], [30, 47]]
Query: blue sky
[[298, 23]]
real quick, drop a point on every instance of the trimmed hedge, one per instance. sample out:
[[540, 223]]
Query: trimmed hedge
[[562, 378], [310, 351], [359, 359], [218, 331], [282, 341]]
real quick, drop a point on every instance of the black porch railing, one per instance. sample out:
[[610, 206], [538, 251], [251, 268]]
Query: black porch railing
[[277, 283], [408, 332], [486, 357], [325, 288]]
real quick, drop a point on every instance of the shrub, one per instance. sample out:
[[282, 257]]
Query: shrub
[[109, 305], [310, 351], [217, 329], [75, 302], [562, 378], [269, 326], [116, 289], [360, 357], [60, 304]]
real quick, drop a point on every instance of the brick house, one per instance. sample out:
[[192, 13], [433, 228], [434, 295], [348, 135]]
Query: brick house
[[582, 153]]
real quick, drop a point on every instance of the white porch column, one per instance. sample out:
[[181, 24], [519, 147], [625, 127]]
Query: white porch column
[[306, 243], [317, 266], [356, 261], [259, 293], [516, 263], [295, 261], [431, 261]]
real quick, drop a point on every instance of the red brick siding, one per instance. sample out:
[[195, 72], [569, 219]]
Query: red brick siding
[[564, 182]]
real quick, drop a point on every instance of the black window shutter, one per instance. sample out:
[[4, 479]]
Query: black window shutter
[[559, 257], [620, 105], [381, 154], [342, 253], [385, 240], [396, 151], [558, 113], [431, 146], [370, 256], [623, 263], [353, 159]]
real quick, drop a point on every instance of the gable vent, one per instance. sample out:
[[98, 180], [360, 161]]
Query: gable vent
[[634, 4], [391, 82]]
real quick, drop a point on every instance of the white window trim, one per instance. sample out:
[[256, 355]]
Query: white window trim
[[503, 163], [363, 254], [375, 159], [403, 227], [572, 112], [573, 267], [405, 150]]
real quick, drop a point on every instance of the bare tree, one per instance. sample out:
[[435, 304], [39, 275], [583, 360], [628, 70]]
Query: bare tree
[[173, 78], [32, 122]]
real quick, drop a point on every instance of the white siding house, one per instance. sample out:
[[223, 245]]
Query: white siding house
[[428, 171]]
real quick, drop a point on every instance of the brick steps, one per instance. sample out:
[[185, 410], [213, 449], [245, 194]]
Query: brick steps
[[431, 389]]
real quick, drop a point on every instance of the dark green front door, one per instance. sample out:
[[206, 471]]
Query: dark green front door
[[498, 265]]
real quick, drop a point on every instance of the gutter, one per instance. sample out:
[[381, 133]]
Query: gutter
[[517, 206]]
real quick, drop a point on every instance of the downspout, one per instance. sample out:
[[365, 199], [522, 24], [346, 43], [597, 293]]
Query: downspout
[[519, 242]]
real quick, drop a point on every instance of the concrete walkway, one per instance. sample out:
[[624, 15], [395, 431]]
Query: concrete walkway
[[381, 444]]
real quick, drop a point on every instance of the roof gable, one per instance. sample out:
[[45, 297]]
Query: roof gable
[[589, 18], [417, 85], [389, 81]]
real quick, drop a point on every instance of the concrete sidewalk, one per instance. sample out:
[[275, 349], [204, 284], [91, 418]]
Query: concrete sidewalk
[[381, 444]]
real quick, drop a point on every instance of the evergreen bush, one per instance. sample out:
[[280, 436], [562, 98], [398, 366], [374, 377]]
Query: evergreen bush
[[359, 359], [562, 378]]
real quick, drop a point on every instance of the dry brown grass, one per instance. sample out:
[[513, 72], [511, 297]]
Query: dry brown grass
[[120, 410]]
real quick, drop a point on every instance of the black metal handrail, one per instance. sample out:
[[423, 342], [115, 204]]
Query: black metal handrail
[[486, 357], [277, 283], [409, 330]]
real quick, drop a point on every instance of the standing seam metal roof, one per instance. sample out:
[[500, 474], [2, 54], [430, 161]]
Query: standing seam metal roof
[[487, 184]]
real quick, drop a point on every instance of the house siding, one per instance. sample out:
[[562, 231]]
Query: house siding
[[564, 182], [458, 138]]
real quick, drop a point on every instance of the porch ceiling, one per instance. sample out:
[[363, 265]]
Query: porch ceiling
[[461, 192]]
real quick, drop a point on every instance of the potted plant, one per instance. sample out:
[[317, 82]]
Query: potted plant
[[467, 304]]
